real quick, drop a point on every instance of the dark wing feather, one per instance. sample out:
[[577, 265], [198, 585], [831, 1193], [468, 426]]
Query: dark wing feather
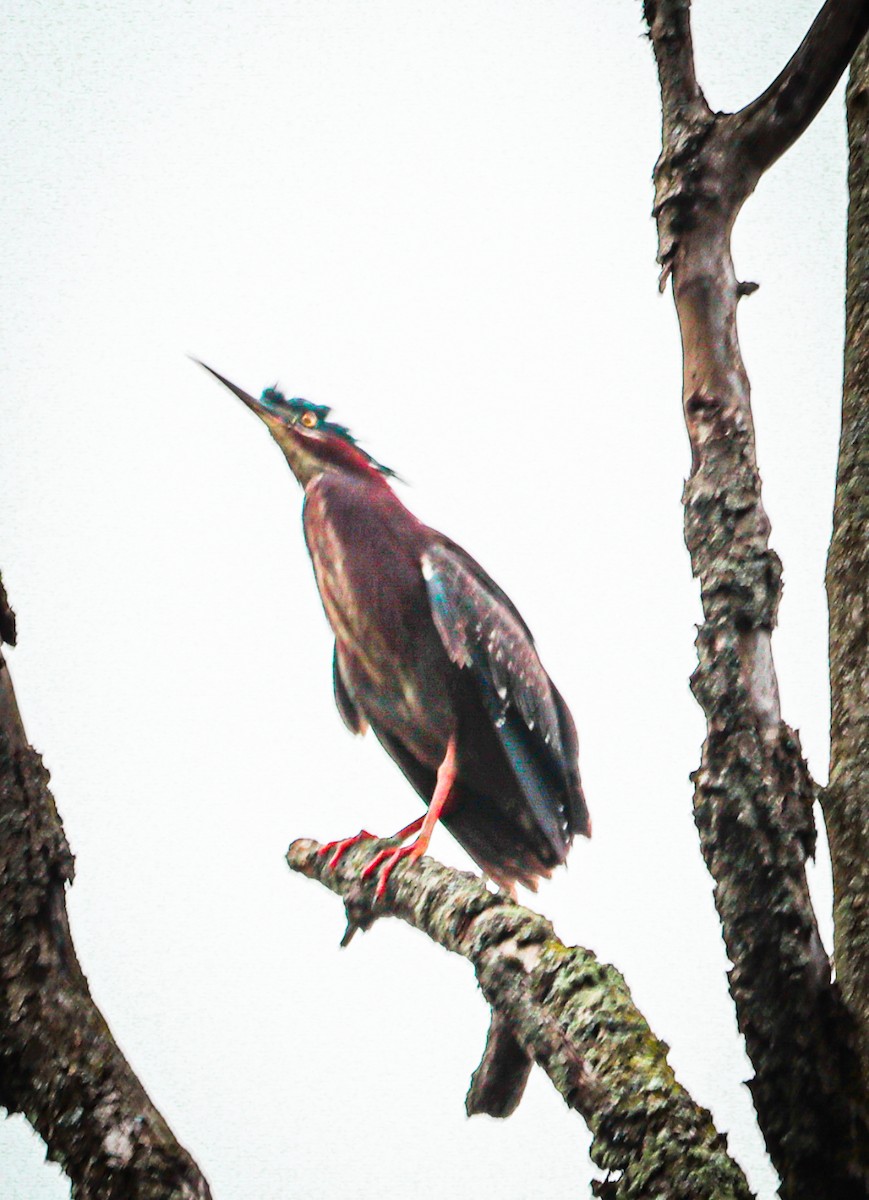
[[580, 821], [491, 835], [483, 577], [483, 634]]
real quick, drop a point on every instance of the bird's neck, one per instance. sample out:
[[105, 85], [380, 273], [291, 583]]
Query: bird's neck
[[340, 459], [367, 494], [372, 481]]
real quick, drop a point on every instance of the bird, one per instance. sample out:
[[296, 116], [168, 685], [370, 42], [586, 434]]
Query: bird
[[432, 656]]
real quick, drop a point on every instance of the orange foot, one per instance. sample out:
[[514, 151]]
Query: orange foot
[[390, 859], [387, 859], [341, 847]]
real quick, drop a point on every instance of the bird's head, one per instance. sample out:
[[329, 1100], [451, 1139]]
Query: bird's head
[[312, 444]]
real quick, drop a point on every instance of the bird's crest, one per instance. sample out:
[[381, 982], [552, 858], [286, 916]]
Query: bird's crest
[[297, 411]]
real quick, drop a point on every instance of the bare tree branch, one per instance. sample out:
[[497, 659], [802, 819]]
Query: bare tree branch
[[687, 121], [773, 122], [681, 96], [753, 792], [568, 1012], [59, 1064], [846, 800]]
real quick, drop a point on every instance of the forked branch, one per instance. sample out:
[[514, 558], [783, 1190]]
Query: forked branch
[[753, 792]]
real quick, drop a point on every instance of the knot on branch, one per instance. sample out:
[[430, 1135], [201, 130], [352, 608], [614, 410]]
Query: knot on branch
[[702, 405]]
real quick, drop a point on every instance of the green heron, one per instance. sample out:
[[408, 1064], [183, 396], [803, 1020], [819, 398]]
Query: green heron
[[435, 658]]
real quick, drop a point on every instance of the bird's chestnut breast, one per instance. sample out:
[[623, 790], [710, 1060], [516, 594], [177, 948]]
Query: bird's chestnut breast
[[366, 549]]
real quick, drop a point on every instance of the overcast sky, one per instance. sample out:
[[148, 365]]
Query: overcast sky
[[435, 218]]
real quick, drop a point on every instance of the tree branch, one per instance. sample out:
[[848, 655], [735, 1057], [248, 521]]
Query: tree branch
[[682, 99], [687, 121], [773, 122], [753, 793], [59, 1064], [565, 1010], [846, 800], [499, 1081]]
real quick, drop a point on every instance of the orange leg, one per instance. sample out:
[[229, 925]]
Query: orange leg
[[387, 859], [413, 827]]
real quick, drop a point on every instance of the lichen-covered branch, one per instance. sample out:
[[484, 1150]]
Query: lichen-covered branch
[[753, 793], [565, 1010], [59, 1064], [846, 800]]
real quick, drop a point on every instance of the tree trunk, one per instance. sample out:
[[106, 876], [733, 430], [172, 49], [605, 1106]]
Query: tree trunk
[[59, 1064], [753, 791], [846, 801]]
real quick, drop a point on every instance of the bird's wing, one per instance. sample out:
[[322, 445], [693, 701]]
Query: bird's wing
[[483, 577], [484, 634], [351, 715]]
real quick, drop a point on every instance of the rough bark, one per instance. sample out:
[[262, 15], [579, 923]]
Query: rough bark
[[753, 793], [59, 1064], [565, 1010], [846, 800]]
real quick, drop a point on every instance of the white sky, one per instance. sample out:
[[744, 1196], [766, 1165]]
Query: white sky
[[434, 217]]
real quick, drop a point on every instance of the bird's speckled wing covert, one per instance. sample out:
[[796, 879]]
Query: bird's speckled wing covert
[[483, 633]]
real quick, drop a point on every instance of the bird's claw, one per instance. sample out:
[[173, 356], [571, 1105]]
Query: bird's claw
[[340, 848], [389, 860], [386, 859]]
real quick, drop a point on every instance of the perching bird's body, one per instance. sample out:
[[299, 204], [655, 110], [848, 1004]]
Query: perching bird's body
[[433, 656]]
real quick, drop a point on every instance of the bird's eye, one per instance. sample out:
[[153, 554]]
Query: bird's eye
[[308, 420]]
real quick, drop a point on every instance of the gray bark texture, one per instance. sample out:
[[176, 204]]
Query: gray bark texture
[[753, 793], [846, 799], [562, 1008], [59, 1064]]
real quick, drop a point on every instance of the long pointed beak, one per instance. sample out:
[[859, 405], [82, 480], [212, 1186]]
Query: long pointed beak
[[253, 404]]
